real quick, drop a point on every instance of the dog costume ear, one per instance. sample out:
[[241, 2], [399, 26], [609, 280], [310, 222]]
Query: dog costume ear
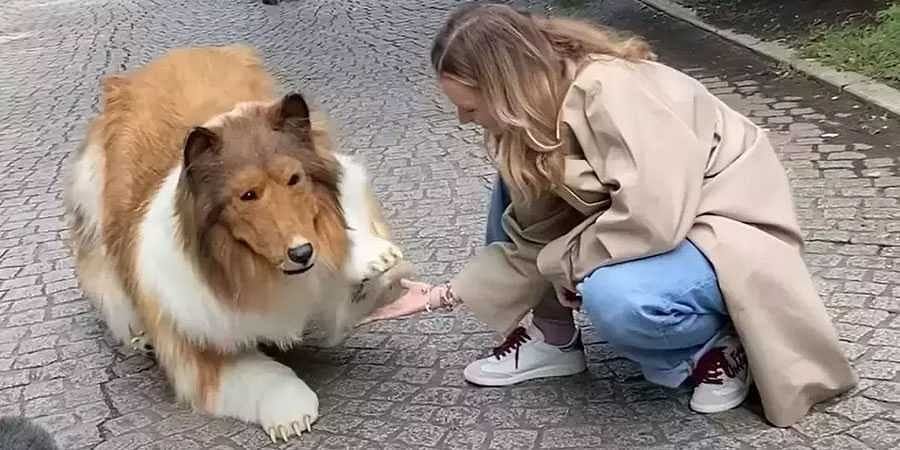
[[291, 114], [202, 164], [293, 106], [204, 174], [199, 142]]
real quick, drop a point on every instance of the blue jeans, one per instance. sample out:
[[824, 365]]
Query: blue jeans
[[499, 201], [662, 312]]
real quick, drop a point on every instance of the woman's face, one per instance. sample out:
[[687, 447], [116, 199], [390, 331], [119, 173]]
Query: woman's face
[[470, 107]]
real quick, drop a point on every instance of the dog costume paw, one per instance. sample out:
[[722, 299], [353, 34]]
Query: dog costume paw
[[288, 409], [139, 342], [384, 261]]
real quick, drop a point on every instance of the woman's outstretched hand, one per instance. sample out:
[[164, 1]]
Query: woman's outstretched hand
[[414, 300]]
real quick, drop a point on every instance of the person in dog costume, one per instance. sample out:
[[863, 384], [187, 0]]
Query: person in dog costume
[[631, 192]]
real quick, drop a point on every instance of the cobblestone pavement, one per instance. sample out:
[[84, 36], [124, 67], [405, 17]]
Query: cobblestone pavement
[[398, 384]]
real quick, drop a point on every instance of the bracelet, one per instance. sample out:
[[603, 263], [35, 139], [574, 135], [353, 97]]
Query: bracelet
[[447, 300]]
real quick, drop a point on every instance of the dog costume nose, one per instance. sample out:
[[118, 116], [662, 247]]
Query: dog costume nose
[[301, 254]]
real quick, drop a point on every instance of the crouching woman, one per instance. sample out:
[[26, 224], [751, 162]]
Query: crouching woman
[[629, 191]]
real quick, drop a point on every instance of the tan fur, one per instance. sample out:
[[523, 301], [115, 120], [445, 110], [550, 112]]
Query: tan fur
[[238, 245]]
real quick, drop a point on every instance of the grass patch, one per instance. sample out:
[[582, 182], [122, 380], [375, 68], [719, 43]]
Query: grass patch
[[870, 49]]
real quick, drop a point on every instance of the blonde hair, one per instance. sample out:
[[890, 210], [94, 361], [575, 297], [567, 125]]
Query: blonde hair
[[518, 62]]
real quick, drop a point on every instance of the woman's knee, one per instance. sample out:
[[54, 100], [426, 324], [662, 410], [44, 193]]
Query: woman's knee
[[663, 301], [617, 307]]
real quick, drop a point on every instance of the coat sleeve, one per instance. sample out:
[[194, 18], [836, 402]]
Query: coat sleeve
[[653, 164], [502, 282], [500, 285]]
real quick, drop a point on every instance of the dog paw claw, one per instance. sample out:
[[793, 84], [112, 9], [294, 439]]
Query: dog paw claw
[[139, 342], [284, 432]]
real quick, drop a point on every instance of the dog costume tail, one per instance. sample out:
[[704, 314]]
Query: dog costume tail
[[19, 433]]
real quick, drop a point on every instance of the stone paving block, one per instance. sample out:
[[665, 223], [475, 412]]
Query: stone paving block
[[841, 442], [513, 439], [421, 435], [725, 443], [877, 433], [465, 439], [690, 429]]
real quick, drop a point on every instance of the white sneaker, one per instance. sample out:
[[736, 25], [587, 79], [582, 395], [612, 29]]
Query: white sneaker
[[525, 356], [722, 376]]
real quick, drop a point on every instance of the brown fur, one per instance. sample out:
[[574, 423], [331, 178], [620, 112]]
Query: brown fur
[[149, 125]]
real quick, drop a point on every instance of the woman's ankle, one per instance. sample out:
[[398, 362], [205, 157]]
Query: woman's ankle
[[557, 332]]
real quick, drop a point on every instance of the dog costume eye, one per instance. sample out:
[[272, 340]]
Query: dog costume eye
[[248, 196], [294, 179]]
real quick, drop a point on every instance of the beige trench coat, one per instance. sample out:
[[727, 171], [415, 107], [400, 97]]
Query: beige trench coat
[[660, 160]]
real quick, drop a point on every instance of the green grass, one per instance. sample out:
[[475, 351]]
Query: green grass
[[872, 50]]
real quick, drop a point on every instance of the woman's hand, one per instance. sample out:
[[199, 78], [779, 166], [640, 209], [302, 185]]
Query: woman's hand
[[568, 298], [414, 300]]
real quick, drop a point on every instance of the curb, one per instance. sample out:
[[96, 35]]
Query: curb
[[860, 86]]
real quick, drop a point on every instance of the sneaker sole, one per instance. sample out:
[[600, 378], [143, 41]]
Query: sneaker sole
[[543, 372], [722, 407]]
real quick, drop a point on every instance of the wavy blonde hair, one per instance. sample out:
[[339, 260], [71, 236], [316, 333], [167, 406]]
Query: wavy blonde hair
[[519, 64]]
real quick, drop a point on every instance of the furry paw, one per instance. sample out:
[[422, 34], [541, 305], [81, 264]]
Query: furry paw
[[139, 342], [371, 256], [388, 258], [288, 408]]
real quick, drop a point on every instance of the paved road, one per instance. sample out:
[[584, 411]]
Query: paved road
[[398, 384]]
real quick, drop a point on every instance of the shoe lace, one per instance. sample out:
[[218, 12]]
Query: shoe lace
[[716, 364], [512, 343]]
